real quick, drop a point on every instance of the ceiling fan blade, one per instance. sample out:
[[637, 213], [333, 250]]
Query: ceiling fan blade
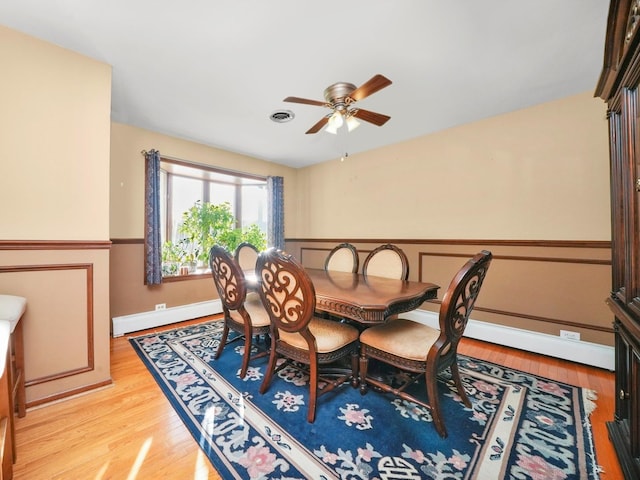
[[376, 83], [372, 117], [318, 126], [306, 101]]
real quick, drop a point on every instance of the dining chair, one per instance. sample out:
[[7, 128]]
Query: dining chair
[[417, 350], [246, 255], [343, 258], [387, 260], [244, 314], [297, 335]]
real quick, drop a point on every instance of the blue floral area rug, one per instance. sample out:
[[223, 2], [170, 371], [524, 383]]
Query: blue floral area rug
[[520, 427]]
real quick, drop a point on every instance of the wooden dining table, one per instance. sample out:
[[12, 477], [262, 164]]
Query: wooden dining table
[[365, 299]]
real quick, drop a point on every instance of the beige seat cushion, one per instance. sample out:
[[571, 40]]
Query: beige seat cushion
[[255, 309], [330, 335], [402, 338]]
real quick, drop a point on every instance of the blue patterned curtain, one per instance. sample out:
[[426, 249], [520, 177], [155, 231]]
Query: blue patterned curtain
[[275, 218], [152, 245]]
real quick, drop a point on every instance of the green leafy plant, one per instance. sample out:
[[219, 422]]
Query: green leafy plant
[[172, 252], [254, 236], [172, 256], [205, 225]]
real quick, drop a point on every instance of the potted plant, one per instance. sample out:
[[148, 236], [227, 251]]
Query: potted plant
[[172, 257]]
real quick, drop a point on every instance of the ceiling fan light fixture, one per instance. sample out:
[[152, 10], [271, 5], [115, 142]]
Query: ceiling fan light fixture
[[340, 98], [352, 123], [336, 120], [331, 129]]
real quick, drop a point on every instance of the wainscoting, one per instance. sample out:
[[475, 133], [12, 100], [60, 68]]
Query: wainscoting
[[534, 289], [541, 287], [66, 323]]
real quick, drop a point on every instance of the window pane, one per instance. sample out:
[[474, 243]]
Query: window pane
[[221, 192], [254, 206], [185, 192]]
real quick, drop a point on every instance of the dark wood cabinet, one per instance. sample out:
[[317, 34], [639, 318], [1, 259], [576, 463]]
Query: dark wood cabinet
[[618, 87]]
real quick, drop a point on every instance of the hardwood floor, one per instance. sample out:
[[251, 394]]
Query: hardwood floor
[[129, 430]]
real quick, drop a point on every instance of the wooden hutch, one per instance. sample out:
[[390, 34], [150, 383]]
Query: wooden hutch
[[618, 87]]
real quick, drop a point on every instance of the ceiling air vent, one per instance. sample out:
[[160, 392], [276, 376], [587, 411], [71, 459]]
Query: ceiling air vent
[[282, 116]]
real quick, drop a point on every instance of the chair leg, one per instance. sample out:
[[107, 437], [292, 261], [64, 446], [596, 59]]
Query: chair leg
[[223, 341], [268, 375], [248, 345], [246, 356], [455, 373], [354, 369], [313, 390], [364, 364], [431, 379]]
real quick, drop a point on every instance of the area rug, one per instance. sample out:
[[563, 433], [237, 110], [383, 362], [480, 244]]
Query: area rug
[[520, 426]]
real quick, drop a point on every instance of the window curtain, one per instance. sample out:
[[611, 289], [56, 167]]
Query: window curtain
[[275, 217], [152, 245]]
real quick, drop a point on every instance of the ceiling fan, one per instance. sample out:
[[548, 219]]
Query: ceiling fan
[[340, 98]]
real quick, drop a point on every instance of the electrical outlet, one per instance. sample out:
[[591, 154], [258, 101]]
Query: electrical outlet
[[567, 335], [161, 306]]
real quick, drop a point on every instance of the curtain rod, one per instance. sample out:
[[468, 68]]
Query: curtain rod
[[223, 170]]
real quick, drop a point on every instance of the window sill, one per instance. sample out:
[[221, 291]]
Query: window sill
[[189, 276]]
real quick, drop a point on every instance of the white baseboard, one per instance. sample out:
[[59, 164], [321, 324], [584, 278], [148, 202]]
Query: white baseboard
[[156, 318], [594, 354], [574, 350]]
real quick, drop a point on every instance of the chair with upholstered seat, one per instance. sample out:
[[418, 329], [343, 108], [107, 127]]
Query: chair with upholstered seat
[[420, 351], [297, 334], [243, 314], [246, 255], [387, 261], [343, 258]]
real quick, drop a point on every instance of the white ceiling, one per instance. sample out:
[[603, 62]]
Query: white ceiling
[[213, 71]]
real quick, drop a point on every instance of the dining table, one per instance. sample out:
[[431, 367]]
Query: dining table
[[364, 299]]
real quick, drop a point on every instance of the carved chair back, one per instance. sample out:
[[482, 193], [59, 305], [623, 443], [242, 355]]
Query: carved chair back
[[387, 260], [227, 278], [343, 258], [457, 304], [286, 291], [246, 255]]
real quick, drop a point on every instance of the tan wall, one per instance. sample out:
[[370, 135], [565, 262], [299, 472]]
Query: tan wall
[[128, 292], [130, 295], [539, 286], [54, 205], [54, 142], [538, 173], [127, 173]]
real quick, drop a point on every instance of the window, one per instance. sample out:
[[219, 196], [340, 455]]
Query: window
[[183, 184], [254, 198]]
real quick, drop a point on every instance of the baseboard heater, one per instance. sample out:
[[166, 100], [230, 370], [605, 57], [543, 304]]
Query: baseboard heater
[[594, 354], [587, 353], [144, 320]]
